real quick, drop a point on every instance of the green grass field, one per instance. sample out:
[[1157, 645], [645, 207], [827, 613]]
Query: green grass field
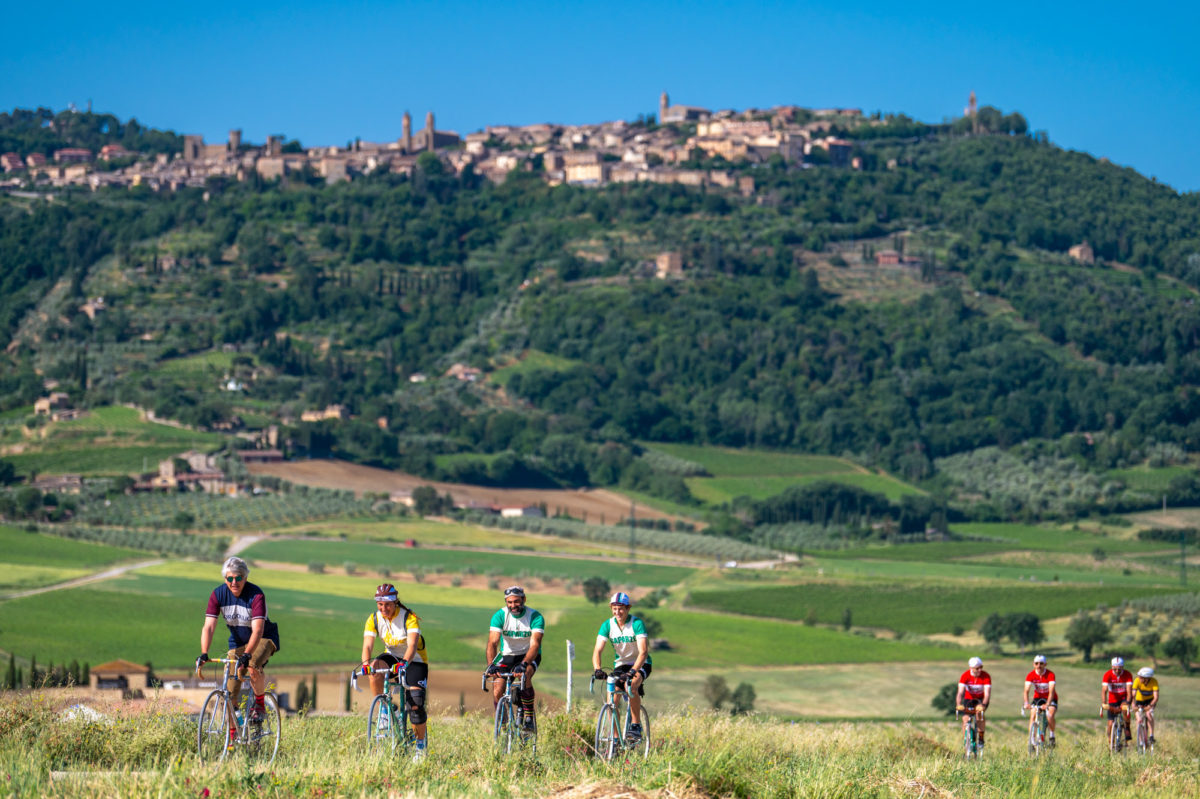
[[718, 490], [865, 565], [36, 549], [105, 460], [370, 556], [723, 462], [18, 577], [927, 607], [1153, 481], [217, 363], [531, 360]]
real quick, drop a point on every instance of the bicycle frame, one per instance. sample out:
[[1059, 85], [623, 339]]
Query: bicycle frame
[[510, 713], [614, 720], [970, 735], [387, 722], [1037, 729], [1144, 744], [218, 716], [1116, 735]]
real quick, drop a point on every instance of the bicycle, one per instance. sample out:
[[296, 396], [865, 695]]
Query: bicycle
[[1144, 744], [510, 713], [258, 738], [1037, 730], [387, 722], [1116, 736], [970, 735], [613, 736]]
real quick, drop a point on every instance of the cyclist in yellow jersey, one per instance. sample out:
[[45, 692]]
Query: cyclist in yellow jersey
[[404, 646], [1145, 695]]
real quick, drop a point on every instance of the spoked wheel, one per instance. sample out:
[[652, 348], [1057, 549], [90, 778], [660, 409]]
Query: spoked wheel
[[381, 733], [212, 740], [504, 725], [262, 737], [641, 746], [606, 734], [1143, 738], [969, 748], [1116, 736]]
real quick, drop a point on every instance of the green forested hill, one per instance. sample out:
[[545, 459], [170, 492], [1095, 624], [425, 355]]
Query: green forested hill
[[781, 334]]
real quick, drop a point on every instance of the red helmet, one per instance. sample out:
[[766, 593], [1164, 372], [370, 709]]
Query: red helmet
[[386, 593]]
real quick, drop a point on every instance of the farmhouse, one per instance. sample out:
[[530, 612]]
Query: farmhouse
[[120, 675]]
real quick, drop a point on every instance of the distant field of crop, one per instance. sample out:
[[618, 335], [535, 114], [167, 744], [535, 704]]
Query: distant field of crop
[[716, 490], [35, 549], [722, 462], [215, 362], [426, 533], [837, 564], [213, 511], [370, 556], [907, 606], [94, 460], [1055, 539], [530, 360], [16, 576], [700, 640], [121, 422], [1154, 481], [869, 690]]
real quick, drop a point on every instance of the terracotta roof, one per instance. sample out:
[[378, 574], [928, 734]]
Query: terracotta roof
[[119, 667]]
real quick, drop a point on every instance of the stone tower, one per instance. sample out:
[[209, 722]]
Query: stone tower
[[973, 112], [663, 102], [429, 135], [235, 141], [406, 132]]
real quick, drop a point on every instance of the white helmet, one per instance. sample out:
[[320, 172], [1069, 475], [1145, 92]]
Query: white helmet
[[974, 663], [1039, 658], [1118, 663], [1146, 673]]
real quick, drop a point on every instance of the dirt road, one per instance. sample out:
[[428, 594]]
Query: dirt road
[[595, 506]]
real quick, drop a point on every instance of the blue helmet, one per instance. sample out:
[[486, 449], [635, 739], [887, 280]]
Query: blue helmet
[[620, 598]]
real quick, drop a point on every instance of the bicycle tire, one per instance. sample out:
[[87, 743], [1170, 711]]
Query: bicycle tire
[[504, 724], [212, 732], [606, 734], [1143, 736], [381, 731], [969, 749], [262, 738], [1116, 735]]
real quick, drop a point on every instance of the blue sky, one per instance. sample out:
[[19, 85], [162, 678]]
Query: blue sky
[[1118, 81]]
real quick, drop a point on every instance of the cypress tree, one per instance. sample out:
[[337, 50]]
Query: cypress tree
[[312, 695], [33, 672], [86, 674], [10, 679]]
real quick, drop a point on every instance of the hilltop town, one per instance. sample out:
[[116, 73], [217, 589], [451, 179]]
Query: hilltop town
[[666, 148]]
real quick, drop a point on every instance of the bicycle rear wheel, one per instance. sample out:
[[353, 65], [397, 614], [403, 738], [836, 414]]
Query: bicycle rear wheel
[[212, 739], [262, 737], [606, 733], [381, 732], [504, 724], [1143, 736], [1116, 735]]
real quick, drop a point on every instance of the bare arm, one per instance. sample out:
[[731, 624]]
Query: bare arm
[[256, 632], [411, 649], [598, 651], [206, 633], [493, 646], [535, 646], [643, 650], [368, 645], [1029, 685]]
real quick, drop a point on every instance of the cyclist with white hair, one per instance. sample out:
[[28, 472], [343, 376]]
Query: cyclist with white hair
[[1045, 692], [631, 662], [1145, 695], [974, 694], [515, 644], [253, 637], [1116, 687]]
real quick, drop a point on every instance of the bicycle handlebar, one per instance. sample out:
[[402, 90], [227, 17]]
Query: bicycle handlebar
[[396, 671], [515, 676]]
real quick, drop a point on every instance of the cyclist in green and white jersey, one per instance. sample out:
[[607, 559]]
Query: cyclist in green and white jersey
[[630, 644], [515, 642]]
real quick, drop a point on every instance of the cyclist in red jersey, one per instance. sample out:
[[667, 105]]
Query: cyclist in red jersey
[[1041, 681], [974, 693], [1116, 687]]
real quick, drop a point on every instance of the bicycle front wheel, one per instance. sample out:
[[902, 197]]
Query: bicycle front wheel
[[1143, 736], [212, 739], [969, 750], [262, 737], [381, 732], [504, 724], [1115, 735], [606, 733]]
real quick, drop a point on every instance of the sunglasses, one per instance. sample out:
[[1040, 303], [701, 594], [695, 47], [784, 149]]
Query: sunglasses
[[239, 578]]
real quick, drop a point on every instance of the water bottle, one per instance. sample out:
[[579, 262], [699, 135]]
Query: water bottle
[[612, 684], [238, 716]]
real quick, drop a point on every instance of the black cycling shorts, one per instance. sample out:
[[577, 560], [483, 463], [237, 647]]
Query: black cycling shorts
[[507, 662], [625, 670]]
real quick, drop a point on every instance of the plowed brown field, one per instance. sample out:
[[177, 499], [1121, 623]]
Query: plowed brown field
[[595, 506]]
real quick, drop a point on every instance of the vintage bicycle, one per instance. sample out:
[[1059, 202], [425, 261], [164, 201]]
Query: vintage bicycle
[[224, 728], [1116, 736], [387, 721], [614, 720], [970, 735], [1037, 729], [1145, 746], [510, 724]]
